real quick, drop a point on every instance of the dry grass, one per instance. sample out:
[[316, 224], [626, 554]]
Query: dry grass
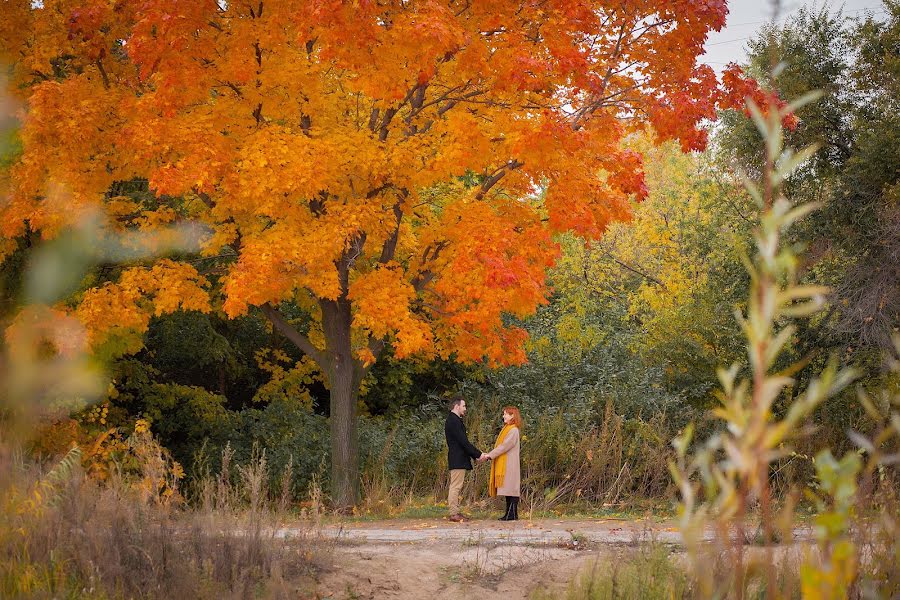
[[647, 572], [616, 459], [101, 541]]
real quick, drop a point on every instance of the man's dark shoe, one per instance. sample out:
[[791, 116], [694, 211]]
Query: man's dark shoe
[[456, 518]]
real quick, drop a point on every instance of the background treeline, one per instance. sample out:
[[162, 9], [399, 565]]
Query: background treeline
[[622, 357]]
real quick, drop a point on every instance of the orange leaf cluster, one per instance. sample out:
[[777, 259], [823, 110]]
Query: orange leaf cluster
[[495, 263], [141, 293], [382, 299]]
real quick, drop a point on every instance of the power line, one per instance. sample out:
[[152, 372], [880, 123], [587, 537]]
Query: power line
[[786, 15], [874, 12]]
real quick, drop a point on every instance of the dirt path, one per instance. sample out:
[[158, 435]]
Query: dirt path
[[431, 558], [525, 532]]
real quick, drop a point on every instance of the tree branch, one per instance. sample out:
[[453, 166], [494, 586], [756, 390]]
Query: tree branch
[[103, 74], [421, 280], [497, 176], [390, 244], [634, 270], [288, 331], [385, 122]]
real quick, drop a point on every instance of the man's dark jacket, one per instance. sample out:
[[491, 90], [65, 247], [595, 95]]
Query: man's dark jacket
[[460, 450]]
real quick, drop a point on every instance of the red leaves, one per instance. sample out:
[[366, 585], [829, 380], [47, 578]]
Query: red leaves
[[738, 89], [85, 25], [169, 44], [627, 174]]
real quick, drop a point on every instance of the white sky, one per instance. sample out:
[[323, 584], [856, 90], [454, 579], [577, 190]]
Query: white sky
[[745, 17]]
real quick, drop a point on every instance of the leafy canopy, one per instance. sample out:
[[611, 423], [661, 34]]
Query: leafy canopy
[[320, 143]]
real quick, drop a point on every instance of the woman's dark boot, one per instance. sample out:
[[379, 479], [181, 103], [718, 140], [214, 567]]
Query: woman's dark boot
[[506, 515], [513, 510]]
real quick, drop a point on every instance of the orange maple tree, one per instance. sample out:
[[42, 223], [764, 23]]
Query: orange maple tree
[[397, 168]]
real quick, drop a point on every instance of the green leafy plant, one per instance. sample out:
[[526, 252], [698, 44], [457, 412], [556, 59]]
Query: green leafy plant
[[732, 466]]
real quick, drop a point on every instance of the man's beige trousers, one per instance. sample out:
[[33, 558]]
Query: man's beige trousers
[[457, 476]]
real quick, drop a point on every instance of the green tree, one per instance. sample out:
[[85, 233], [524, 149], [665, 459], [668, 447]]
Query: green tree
[[667, 281], [854, 241]]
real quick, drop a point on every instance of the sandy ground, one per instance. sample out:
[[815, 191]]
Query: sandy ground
[[433, 558], [448, 569]]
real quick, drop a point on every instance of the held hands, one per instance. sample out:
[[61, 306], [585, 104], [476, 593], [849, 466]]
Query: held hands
[[484, 457]]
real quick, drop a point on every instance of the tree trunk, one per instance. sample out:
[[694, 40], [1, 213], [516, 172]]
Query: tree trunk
[[343, 371], [344, 374], [344, 443]]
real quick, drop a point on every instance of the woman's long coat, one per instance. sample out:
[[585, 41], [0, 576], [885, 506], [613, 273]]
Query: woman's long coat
[[512, 481]]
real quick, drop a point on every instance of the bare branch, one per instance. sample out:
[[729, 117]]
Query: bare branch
[[497, 176], [633, 269], [390, 244], [385, 122], [103, 74], [288, 331]]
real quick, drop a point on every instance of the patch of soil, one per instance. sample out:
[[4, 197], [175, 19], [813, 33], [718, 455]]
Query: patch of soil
[[448, 570]]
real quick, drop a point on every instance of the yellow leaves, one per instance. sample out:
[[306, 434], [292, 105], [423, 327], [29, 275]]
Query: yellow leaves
[[832, 580], [175, 286], [139, 294], [576, 334], [155, 219], [138, 459], [223, 235], [122, 208], [98, 414], [272, 366], [286, 384], [381, 299]]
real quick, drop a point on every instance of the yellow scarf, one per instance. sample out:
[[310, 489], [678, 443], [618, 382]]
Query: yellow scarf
[[498, 465]]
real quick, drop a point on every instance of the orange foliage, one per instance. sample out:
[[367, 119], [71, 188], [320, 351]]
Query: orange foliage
[[139, 294], [309, 133]]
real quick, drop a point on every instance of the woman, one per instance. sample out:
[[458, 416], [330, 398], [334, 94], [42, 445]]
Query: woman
[[505, 474]]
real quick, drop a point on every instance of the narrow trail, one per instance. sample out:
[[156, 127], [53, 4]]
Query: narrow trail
[[562, 532]]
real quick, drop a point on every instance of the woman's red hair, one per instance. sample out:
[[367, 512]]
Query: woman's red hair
[[517, 418]]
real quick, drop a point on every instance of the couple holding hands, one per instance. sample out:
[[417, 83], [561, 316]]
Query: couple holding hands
[[505, 477]]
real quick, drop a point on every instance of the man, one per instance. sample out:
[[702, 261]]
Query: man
[[460, 453]]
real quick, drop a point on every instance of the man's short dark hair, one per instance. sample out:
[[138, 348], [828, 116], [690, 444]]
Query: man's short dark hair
[[455, 400]]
